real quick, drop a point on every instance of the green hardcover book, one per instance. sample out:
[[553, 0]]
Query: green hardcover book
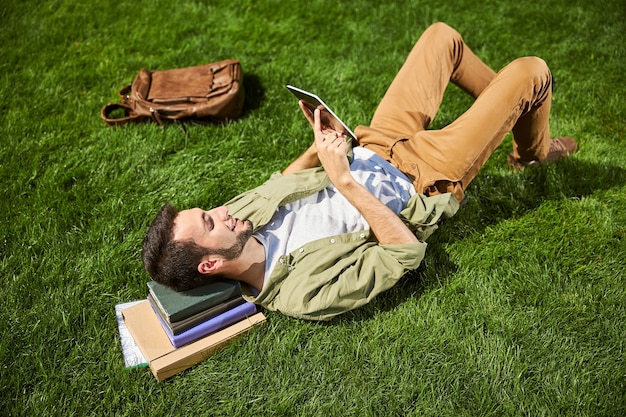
[[177, 306], [180, 326]]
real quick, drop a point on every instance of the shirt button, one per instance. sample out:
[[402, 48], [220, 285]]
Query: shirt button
[[362, 235], [301, 250], [332, 240]]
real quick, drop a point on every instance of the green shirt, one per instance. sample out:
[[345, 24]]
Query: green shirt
[[333, 275]]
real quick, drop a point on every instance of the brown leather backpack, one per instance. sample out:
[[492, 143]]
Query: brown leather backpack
[[211, 91]]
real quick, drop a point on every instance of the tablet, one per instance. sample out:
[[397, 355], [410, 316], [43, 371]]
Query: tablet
[[328, 117]]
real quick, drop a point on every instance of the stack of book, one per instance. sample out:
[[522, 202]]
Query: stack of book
[[173, 331], [187, 316]]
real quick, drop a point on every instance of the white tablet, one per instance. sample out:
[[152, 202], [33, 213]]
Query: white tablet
[[329, 118]]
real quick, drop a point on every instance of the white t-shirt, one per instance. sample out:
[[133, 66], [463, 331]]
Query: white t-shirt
[[328, 213]]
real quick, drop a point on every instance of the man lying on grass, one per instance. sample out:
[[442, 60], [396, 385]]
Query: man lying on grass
[[313, 242]]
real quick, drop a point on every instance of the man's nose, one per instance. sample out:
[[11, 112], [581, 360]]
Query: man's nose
[[222, 212]]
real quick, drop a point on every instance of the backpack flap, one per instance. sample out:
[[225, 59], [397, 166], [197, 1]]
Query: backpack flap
[[181, 85]]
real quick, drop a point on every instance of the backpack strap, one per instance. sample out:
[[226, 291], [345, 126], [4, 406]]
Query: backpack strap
[[129, 116]]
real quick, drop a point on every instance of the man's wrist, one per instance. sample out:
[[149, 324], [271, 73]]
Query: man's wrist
[[346, 183]]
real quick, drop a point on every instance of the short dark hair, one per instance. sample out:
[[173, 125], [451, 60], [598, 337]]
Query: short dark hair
[[168, 261]]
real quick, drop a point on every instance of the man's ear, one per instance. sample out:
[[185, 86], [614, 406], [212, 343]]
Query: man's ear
[[209, 265]]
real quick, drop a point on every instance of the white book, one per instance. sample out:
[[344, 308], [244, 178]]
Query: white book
[[132, 355]]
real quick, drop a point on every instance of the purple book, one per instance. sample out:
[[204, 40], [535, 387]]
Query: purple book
[[210, 326]]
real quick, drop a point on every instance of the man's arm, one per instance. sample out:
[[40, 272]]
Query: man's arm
[[385, 224], [309, 158]]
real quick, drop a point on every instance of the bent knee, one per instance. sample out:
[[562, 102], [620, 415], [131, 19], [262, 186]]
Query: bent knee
[[531, 72], [529, 69], [442, 30], [445, 39], [530, 65]]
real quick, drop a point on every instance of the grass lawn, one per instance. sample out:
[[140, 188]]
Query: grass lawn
[[518, 309]]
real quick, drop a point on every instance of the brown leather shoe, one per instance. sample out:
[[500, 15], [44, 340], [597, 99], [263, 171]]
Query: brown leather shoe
[[559, 149]]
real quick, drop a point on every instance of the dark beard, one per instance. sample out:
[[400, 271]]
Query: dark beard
[[236, 249]]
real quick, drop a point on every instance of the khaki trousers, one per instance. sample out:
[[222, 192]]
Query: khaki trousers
[[515, 99]]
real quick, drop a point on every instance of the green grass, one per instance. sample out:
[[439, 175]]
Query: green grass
[[519, 308]]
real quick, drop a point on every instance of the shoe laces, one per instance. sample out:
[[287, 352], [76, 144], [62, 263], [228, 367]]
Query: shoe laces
[[557, 145]]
